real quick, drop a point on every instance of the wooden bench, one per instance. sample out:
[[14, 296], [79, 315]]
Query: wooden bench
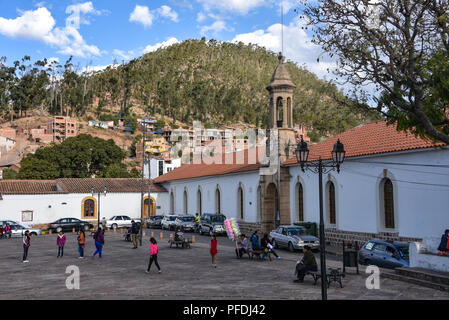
[[260, 254], [245, 253], [332, 275], [183, 243]]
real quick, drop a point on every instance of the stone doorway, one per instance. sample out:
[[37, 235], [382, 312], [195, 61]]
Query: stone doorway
[[271, 218], [152, 208]]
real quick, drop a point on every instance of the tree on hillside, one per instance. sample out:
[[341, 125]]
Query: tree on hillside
[[401, 46], [82, 156]]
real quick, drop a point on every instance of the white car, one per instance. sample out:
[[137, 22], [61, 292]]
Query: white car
[[168, 222], [10, 222], [18, 230], [120, 222]]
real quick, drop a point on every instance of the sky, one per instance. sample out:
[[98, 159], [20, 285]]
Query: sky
[[98, 33]]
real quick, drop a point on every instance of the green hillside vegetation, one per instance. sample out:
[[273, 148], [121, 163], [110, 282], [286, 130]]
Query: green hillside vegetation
[[214, 82]]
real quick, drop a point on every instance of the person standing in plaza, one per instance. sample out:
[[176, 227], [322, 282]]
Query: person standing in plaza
[[213, 250], [99, 242], [308, 263], [255, 243], [60, 242], [1, 231], [81, 243], [443, 248], [26, 245], [135, 233], [154, 250], [8, 231]]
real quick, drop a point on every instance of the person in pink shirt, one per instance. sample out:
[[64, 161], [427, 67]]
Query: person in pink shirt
[[60, 242], [154, 250]]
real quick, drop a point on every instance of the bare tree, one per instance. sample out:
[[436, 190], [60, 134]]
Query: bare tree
[[400, 46]]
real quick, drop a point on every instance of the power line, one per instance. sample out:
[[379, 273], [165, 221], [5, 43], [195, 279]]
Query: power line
[[406, 164]]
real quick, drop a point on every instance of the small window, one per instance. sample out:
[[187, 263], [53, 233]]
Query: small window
[[379, 248], [27, 216]]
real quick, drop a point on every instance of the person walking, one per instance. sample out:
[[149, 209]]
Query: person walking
[[154, 250], [213, 250], [135, 233], [99, 242], [81, 243], [308, 263], [26, 245], [443, 248], [60, 242]]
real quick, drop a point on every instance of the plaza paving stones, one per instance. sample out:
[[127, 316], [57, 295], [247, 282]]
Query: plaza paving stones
[[186, 274]]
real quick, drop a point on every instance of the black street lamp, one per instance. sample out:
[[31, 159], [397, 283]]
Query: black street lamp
[[105, 191], [320, 167]]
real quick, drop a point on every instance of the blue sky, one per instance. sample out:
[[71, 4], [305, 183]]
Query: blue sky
[[98, 32]]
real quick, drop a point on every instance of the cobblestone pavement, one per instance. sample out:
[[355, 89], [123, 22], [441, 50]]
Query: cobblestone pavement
[[186, 274]]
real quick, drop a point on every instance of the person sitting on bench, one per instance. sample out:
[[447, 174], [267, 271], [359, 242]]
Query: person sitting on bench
[[255, 243], [265, 243], [243, 245], [179, 236], [308, 263]]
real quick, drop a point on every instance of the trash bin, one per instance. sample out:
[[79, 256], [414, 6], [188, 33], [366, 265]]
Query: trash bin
[[350, 258], [311, 227]]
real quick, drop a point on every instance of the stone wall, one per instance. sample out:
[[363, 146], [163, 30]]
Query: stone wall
[[248, 228], [335, 237]]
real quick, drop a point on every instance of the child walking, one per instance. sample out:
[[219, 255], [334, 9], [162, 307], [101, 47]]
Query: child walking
[[26, 244], [60, 241], [81, 243], [153, 255], [99, 242], [213, 250]]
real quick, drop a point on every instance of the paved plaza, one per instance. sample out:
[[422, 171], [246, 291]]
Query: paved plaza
[[186, 274]]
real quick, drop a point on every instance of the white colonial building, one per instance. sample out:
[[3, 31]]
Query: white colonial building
[[41, 202]]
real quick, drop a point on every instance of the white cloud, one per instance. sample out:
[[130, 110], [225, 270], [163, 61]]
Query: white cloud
[[167, 12], [40, 25], [200, 17], [76, 10], [238, 6], [215, 27], [142, 15], [169, 42], [297, 47], [30, 25], [125, 55], [98, 68]]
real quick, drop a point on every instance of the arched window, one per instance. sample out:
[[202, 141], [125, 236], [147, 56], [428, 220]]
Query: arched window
[[300, 199], [331, 203], [172, 203], [199, 203], [289, 112], [240, 203], [217, 200], [89, 208], [280, 109], [186, 210], [388, 204]]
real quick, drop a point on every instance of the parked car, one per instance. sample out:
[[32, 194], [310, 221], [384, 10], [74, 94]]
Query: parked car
[[186, 223], [385, 254], [154, 222], [168, 222], [67, 224], [18, 230], [120, 222], [212, 223], [293, 238], [10, 222]]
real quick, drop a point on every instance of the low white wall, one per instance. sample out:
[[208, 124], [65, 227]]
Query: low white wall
[[420, 259]]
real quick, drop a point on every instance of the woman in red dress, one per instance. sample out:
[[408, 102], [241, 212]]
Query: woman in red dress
[[213, 250]]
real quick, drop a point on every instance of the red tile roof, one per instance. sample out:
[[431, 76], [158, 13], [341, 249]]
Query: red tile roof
[[369, 139], [68, 185], [189, 171]]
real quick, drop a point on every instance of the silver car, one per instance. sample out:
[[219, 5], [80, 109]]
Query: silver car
[[185, 223], [18, 230], [168, 222], [293, 238]]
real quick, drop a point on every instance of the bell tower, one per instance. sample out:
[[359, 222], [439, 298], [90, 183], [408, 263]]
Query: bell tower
[[281, 108]]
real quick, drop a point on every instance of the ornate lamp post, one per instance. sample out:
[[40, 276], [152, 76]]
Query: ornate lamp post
[[105, 191], [320, 167]]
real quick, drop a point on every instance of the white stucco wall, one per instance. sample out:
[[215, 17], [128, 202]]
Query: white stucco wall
[[48, 208], [228, 184], [420, 259], [421, 194]]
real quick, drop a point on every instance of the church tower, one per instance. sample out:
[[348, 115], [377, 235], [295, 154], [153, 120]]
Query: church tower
[[281, 108]]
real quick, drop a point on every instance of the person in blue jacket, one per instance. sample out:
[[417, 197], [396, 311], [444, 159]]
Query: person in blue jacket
[[255, 242], [444, 244]]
